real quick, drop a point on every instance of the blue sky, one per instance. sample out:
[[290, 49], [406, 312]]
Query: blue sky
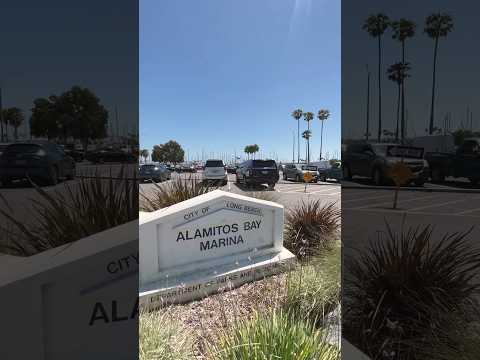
[[217, 75]]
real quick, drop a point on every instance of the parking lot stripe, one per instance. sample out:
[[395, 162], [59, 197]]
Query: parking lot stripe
[[369, 206], [436, 205], [406, 211], [366, 198], [467, 211]]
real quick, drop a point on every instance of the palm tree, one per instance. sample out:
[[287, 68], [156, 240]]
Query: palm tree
[[4, 118], [322, 115], [255, 149], [397, 73], [297, 114], [376, 25], [308, 116], [144, 153], [247, 150], [402, 30], [436, 26], [14, 117], [307, 134]]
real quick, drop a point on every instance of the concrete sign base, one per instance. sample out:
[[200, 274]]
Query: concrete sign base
[[216, 279]]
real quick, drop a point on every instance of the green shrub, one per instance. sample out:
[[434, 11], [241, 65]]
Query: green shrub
[[77, 210], [309, 227], [398, 291], [313, 290], [273, 335], [162, 338], [177, 190]]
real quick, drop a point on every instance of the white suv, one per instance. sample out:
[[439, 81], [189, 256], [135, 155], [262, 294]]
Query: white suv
[[215, 171]]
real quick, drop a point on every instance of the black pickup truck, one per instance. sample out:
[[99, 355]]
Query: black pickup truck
[[463, 163]]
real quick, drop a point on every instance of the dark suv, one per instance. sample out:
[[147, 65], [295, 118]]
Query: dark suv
[[43, 162], [257, 172], [375, 161]]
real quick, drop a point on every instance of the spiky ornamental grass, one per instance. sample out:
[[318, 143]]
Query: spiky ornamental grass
[[309, 227], [75, 211], [312, 291], [179, 189], [399, 291], [273, 335], [163, 338]]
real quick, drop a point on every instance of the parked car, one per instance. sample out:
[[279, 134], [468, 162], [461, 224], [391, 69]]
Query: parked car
[[232, 169], [215, 172], [257, 172], [43, 162], [110, 155], [464, 162], [3, 146], [375, 160], [330, 171], [76, 154], [189, 168], [297, 172], [154, 172]]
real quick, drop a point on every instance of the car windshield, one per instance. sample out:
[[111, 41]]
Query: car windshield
[[264, 164], [214, 163], [21, 149], [309, 167]]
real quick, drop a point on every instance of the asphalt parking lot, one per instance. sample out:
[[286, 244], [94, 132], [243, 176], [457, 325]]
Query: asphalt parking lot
[[446, 208], [20, 194], [287, 193], [451, 203]]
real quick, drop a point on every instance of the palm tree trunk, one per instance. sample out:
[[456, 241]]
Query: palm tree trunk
[[379, 135], [430, 127], [321, 142], [15, 133], [403, 94], [398, 113], [368, 105], [298, 140], [308, 143], [6, 131]]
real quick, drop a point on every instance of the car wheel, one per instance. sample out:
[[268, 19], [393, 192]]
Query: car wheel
[[347, 174], [323, 178], [271, 186], [285, 176], [297, 178], [6, 182], [419, 182], [437, 176], [474, 181], [377, 177], [53, 178]]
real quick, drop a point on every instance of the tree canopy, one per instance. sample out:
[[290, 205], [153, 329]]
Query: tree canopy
[[170, 152], [77, 112]]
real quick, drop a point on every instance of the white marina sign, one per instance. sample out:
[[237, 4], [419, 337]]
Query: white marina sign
[[212, 241]]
